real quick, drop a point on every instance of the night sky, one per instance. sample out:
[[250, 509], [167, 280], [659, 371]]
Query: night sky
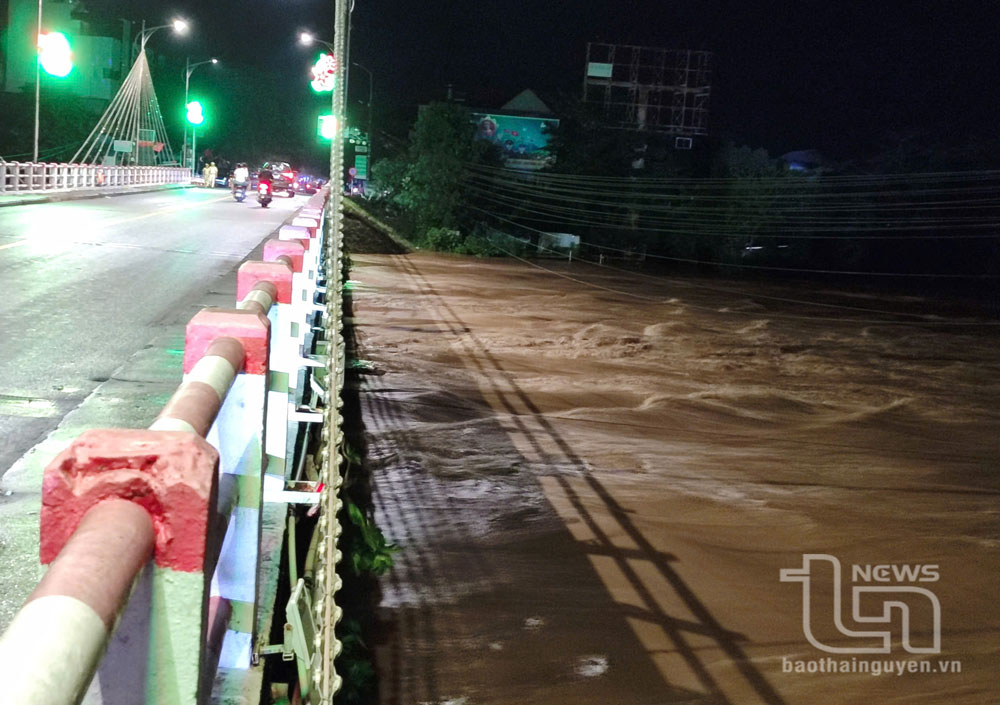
[[838, 76]]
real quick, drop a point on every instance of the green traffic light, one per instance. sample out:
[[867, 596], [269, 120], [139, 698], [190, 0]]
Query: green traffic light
[[327, 127], [195, 113], [54, 54]]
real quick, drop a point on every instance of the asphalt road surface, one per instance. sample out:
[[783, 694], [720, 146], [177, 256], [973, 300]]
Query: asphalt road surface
[[87, 283]]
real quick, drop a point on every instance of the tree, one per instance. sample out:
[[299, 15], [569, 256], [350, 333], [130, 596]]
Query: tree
[[425, 185], [66, 121]]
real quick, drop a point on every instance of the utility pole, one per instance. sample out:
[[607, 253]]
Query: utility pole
[[346, 55], [325, 680], [188, 70], [339, 101], [187, 82], [38, 82]]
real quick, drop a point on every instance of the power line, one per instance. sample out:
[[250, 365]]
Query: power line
[[578, 216], [987, 193], [801, 270], [684, 201], [790, 179]]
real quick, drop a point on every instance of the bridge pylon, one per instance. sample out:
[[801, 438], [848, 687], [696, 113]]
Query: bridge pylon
[[131, 132]]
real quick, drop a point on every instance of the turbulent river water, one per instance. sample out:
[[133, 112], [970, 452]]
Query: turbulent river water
[[596, 479]]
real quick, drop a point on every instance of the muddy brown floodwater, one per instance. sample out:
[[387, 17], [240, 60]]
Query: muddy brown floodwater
[[597, 478]]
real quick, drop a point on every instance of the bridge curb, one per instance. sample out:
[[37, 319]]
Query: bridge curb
[[59, 196]]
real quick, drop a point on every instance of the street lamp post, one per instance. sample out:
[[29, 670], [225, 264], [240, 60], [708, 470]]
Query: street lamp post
[[188, 70], [307, 39], [178, 25]]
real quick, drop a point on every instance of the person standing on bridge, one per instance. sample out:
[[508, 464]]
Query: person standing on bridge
[[213, 174]]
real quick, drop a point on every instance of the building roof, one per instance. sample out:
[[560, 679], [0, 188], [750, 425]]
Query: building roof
[[527, 101]]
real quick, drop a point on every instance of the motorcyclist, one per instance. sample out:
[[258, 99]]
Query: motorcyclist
[[241, 176]]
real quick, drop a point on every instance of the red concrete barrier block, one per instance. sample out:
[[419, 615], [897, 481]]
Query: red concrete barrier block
[[295, 232], [310, 224], [253, 330], [278, 273], [293, 249], [169, 473]]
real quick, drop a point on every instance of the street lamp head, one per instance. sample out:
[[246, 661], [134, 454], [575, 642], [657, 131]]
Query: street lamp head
[[215, 61], [180, 26], [306, 39]]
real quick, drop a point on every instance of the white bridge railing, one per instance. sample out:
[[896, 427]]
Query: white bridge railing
[[17, 177]]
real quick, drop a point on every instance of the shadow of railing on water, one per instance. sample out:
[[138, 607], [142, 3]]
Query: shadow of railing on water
[[510, 395]]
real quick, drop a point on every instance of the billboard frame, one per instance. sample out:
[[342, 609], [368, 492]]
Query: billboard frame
[[649, 89]]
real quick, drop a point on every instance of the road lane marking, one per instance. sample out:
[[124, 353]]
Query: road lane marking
[[163, 211], [14, 244], [29, 407]]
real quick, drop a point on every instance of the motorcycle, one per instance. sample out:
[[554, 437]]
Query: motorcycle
[[240, 191], [263, 193]]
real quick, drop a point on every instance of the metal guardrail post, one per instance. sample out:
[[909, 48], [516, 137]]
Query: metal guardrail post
[[239, 435], [250, 279], [310, 219], [304, 282]]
